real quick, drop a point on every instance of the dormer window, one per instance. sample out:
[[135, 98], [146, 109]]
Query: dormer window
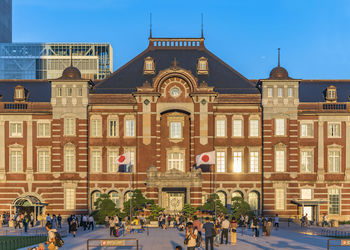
[[331, 93], [19, 93], [149, 67], [202, 66]]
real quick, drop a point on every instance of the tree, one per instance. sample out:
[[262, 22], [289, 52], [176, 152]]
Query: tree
[[138, 202], [210, 205], [104, 207], [240, 207], [188, 210], [155, 211]]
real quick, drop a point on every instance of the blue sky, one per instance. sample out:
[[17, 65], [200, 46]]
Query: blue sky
[[314, 35]]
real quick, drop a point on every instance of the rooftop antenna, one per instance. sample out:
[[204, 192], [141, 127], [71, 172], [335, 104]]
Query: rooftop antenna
[[202, 25], [150, 25], [279, 55]]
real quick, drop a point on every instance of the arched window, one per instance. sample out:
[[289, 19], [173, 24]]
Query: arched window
[[253, 200], [237, 194], [222, 197], [114, 196], [127, 196], [94, 196]]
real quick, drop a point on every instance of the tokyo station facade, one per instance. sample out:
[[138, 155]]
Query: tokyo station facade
[[282, 144]]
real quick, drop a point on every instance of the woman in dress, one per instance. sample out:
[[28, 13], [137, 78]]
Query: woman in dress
[[73, 227]]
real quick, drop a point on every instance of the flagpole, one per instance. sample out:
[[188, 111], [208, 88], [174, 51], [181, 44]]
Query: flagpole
[[131, 191], [214, 189]]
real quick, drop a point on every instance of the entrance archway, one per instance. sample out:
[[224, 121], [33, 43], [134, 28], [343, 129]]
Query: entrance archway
[[29, 204]]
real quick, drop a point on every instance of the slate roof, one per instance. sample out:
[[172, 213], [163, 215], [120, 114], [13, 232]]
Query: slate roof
[[37, 90], [224, 78], [315, 90]]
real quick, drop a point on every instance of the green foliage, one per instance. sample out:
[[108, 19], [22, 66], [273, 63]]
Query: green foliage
[[188, 210], [239, 206], [155, 211], [138, 202], [104, 207], [210, 205]]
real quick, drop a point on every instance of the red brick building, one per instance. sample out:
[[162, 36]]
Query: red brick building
[[281, 143]]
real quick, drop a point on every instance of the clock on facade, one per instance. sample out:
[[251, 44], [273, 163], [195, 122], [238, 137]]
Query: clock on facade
[[175, 92]]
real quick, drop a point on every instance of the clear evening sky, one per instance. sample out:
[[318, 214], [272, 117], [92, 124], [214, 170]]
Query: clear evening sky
[[314, 35]]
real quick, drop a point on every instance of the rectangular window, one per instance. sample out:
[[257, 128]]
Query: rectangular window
[[43, 161], [113, 128], [269, 92], [59, 92], [69, 126], [80, 92], [237, 162], [69, 91], [132, 158], [129, 128], [306, 194], [149, 65], [306, 162], [280, 92], [334, 201], [334, 161], [333, 129], [175, 130], [280, 127], [280, 161], [290, 92], [220, 161], [16, 129], [280, 199], [16, 160], [220, 128], [176, 161], [112, 156], [254, 162], [43, 129], [237, 127], [69, 159], [253, 127], [96, 130], [202, 65], [69, 199], [307, 129], [95, 161]]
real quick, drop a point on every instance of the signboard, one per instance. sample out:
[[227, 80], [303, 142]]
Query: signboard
[[112, 243], [345, 242]]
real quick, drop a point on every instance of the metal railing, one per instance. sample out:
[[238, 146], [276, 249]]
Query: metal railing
[[335, 233]]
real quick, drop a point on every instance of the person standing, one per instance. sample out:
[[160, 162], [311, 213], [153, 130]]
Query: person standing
[[111, 226], [106, 221], [59, 221], [25, 223], [208, 229], [217, 228], [84, 221], [91, 223], [74, 227], [277, 222], [48, 218], [191, 236], [51, 236], [198, 225], [246, 220], [32, 219], [264, 224], [269, 227], [54, 221], [233, 227], [255, 226], [225, 225]]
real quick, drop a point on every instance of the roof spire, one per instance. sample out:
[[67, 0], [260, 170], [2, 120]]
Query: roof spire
[[279, 55], [150, 25], [201, 25], [174, 63]]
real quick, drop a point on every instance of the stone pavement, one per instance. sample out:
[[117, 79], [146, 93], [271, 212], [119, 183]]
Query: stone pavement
[[284, 238]]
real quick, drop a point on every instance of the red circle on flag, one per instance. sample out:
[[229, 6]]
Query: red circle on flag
[[121, 158], [205, 158]]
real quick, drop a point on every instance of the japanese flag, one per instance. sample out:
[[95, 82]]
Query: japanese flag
[[123, 159], [206, 158]]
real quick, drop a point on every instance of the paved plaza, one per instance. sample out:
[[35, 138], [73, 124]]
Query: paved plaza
[[285, 238]]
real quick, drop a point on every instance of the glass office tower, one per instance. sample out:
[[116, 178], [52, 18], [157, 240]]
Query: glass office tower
[[5, 21], [48, 60]]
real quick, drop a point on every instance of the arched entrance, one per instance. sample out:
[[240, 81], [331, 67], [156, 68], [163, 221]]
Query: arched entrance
[[29, 204]]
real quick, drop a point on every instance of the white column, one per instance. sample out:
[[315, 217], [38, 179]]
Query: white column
[[2, 151], [320, 147]]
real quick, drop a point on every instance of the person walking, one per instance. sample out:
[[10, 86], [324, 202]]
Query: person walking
[[18, 218], [54, 221], [277, 222], [32, 219], [91, 223], [25, 223], [208, 229], [217, 227], [59, 221], [74, 227], [255, 226], [111, 226], [51, 236], [191, 237], [48, 218], [269, 227], [264, 224], [225, 225], [233, 230], [198, 225], [84, 222]]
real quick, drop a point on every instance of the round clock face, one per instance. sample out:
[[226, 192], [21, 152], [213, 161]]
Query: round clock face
[[175, 92]]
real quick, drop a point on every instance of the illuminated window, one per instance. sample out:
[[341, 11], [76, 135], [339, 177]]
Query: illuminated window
[[280, 126], [237, 127], [16, 129], [253, 128], [129, 128], [306, 129], [237, 162], [43, 129], [220, 161], [175, 130], [333, 129], [176, 161], [280, 160], [16, 160], [43, 160], [221, 128], [69, 126], [334, 160], [96, 161], [306, 165], [269, 92], [254, 161]]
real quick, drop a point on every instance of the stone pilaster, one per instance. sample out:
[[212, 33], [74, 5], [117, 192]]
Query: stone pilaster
[[347, 148], [2, 151], [320, 147]]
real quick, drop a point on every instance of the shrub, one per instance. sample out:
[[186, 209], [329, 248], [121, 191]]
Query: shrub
[[104, 207]]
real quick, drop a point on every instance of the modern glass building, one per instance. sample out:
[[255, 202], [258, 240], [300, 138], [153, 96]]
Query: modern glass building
[[5, 21], [48, 60]]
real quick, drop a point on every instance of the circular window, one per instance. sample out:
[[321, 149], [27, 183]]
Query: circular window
[[175, 92]]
